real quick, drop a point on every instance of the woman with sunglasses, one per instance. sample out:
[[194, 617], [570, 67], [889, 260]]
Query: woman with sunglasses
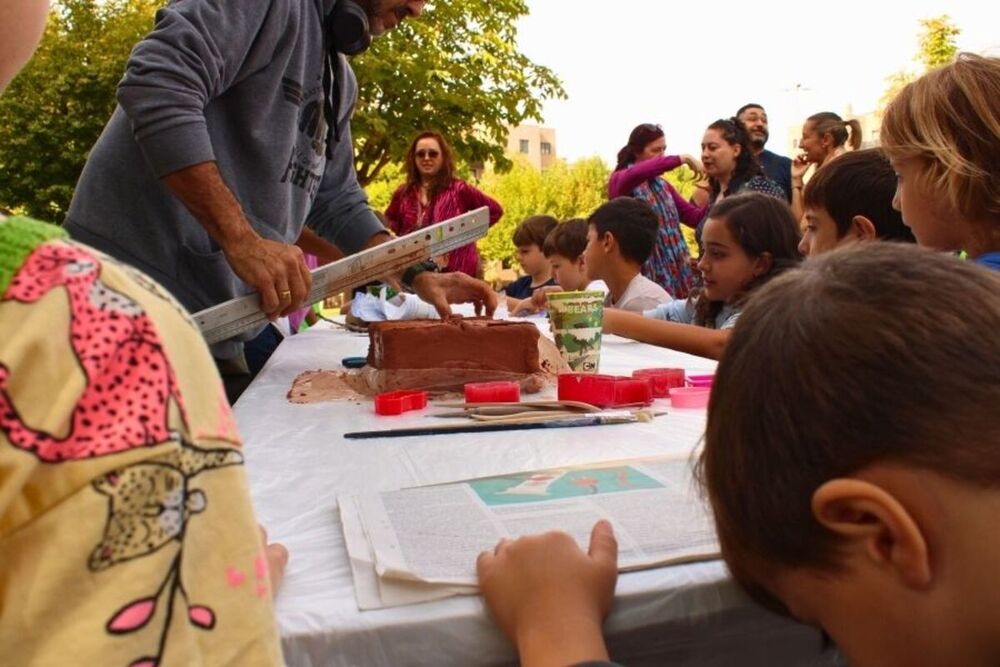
[[431, 194], [641, 165]]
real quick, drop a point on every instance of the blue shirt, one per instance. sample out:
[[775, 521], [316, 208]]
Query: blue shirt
[[682, 311], [990, 260], [522, 289], [779, 169]]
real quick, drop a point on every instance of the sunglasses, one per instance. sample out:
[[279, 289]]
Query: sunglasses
[[421, 154]]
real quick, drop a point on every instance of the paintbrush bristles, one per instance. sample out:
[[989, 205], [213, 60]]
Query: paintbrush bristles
[[644, 415]]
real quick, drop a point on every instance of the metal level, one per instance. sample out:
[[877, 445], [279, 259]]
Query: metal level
[[228, 319]]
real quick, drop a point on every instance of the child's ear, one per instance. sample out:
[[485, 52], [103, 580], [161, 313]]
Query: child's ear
[[762, 265], [862, 228], [608, 242], [874, 528]]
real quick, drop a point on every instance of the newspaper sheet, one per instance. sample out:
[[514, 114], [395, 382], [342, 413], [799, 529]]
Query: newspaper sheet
[[433, 534], [374, 592]]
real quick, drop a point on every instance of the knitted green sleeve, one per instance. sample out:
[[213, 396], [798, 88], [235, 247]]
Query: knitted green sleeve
[[19, 236]]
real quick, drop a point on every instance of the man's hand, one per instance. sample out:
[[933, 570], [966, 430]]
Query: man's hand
[[276, 270], [441, 289], [549, 597]]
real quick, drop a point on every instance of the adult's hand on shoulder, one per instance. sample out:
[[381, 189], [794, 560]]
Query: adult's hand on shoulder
[[694, 165], [549, 597], [442, 289], [277, 270]]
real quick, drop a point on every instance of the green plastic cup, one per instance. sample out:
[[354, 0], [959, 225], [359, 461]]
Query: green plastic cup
[[576, 319]]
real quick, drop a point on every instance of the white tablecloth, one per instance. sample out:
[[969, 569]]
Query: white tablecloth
[[298, 463]]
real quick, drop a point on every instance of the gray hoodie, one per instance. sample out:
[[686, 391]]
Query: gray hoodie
[[238, 82]]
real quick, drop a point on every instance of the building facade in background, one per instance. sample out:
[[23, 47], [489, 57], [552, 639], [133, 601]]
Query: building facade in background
[[871, 123], [534, 143]]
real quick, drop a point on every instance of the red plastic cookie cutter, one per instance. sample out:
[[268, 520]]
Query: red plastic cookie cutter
[[398, 402], [663, 379], [492, 392], [605, 391], [690, 397], [701, 380]]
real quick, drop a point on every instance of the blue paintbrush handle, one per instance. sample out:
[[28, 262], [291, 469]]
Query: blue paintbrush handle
[[569, 422]]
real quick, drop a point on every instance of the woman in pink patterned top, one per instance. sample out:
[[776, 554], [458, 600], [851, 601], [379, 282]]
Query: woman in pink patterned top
[[431, 194]]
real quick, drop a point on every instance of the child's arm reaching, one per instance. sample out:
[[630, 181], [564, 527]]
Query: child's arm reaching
[[550, 598], [538, 301], [688, 338], [515, 305]]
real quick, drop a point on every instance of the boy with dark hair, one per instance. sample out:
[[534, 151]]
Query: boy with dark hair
[[851, 199], [620, 237], [564, 248], [854, 492], [529, 237]]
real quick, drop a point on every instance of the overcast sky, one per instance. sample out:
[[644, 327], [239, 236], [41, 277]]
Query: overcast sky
[[683, 65]]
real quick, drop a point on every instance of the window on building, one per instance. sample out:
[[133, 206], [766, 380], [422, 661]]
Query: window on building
[[546, 148], [524, 145]]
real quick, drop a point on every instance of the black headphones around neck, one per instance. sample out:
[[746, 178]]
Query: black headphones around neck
[[347, 28]]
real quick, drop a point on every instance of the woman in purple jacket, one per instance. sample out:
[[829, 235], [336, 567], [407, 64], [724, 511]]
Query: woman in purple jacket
[[639, 174]]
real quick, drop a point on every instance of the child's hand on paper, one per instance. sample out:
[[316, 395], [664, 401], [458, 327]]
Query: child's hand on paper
[[549, 597], [277, 558]]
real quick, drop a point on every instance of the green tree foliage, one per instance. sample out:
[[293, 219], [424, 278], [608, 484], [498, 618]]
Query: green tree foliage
[[54, 111], [936, 47], [684, 181], [380, 189], [562, 191], [937, 41], [456, 70]]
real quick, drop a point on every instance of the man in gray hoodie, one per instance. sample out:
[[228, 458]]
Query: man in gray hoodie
[[230, 143]]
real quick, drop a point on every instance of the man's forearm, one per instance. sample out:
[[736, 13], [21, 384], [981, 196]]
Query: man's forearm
[[201, 189]]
